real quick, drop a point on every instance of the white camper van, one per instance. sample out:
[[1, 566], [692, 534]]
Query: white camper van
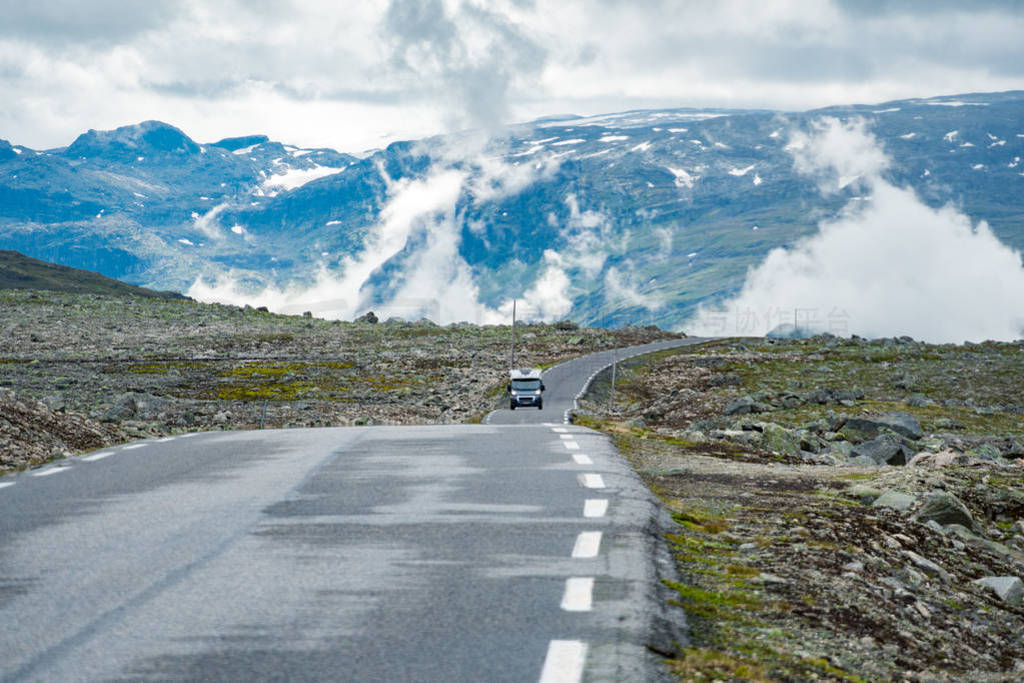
[[525, 388]]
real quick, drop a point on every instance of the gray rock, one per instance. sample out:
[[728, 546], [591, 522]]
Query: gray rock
[[884, 450], [928, 567], [745, 405], [895, 500], [901, 422], [368, 317], [779, 440], [986, 452], [863, 461], [1009, 589], [865, 494], [122, 408], [975, 541], [945, 508], [919, 401]]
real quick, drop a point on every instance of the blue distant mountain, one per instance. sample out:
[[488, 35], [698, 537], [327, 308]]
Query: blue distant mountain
[[673, 204]]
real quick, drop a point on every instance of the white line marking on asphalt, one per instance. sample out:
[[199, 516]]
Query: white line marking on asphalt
[[189, 435], [591, 481], [52, 470], [579, 594], [588, 543], [6, 484], [564, 662], [165, 439], [98, 456], [571, 445], [559, 430], [581, 459], [595, 507], [134, 446]]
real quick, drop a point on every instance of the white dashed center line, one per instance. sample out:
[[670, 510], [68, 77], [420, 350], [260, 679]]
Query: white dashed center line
[[579, 594], [588, 543], [564, 662], [52, 470], [134, 446], [98, 456], [6, 484], [581, 459], [595, 507], [566, 437], [571, 445], [559, 430], [591, 481]]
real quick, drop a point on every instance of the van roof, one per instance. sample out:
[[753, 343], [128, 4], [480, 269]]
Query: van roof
[[525, 373]]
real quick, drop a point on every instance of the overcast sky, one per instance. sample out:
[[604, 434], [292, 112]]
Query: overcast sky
[[358, 74]]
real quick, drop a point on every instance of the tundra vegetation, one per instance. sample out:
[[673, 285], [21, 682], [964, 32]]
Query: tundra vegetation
[[843, 509], [83, 371]]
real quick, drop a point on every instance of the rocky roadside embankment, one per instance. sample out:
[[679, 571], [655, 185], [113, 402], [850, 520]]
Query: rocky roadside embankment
[[90, 370], [846, 509]]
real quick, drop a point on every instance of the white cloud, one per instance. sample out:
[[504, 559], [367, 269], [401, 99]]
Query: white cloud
[[357, 75], [419, 223], [887, 266]]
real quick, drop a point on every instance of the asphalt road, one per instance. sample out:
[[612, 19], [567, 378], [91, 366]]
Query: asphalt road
[[452, 553]]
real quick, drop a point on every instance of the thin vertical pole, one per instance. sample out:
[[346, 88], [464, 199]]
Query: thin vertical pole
[[512, 355], [611, 398]]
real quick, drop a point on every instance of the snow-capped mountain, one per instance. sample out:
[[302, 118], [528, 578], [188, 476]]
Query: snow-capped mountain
[[628, 217]]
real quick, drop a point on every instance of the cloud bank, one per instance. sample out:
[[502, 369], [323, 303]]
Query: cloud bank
[[889, 265]]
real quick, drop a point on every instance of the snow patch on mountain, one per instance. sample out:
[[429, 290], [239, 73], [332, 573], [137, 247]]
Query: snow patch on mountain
[[297, 177]]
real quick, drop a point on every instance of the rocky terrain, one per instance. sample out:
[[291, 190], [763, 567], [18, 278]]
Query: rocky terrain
[[845, 509], [83, 371]]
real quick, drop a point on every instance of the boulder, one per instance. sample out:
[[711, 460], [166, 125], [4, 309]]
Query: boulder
[[986, 451], [945, 508], [745, 405], [895, 500], [779, 440], [928, 567], [884, 450], [368, 317], [1009, 589], [902, 423]]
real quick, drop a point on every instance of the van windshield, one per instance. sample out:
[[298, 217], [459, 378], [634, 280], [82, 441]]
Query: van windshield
[[525, 384]]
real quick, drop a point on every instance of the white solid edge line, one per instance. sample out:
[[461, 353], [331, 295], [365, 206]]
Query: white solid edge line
[[166, 439], [133, 446], [571, 445], [595, 507], [190, 434], [579, 594], [5, 484], [588, 544], [581, 459], [97, 456], [52, 470], [564, 662], [591, 481]]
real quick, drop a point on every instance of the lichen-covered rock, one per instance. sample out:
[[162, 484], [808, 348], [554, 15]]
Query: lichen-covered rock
[[896, 500], [779, 440], [884, 450], [945, 508], [1009, 589]]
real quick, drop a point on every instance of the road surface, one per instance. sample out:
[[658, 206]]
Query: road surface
[[495, 552]]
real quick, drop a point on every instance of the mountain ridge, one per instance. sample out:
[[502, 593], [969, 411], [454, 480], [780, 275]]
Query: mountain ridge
[[673, 205]]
